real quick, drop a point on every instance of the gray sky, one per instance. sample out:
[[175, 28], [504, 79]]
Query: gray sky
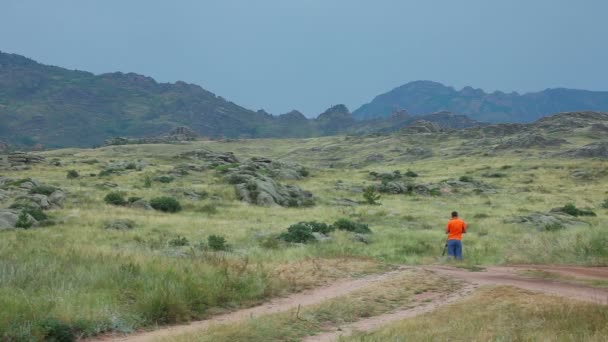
[[309, 54]]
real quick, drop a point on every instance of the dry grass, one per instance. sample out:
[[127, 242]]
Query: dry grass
[[501, 314]]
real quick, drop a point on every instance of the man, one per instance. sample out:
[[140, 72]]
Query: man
[[455, 228]]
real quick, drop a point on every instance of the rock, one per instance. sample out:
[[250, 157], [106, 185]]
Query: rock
[[394, 187], [263, 190], [345, 202], [195, 195], [542, 220], [141, 204], [120, 224], [211, 158], [3, 195], [595, 150], [8, 218], [422, 126], [22, 158], [57, 198], [374, 157], [363, 238], [416, 153], [530, 141], [35, 201], [321, 237], [108, 185]]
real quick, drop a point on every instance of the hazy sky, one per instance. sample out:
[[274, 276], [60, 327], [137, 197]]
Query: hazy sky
[[309, 54]]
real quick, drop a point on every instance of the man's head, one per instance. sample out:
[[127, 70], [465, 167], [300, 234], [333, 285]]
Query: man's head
[[454, 214]]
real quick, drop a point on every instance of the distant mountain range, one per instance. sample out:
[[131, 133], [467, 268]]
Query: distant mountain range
[[421, 97], [55, 107]]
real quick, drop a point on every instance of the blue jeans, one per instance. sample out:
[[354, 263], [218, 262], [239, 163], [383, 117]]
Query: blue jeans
[[455, 249]]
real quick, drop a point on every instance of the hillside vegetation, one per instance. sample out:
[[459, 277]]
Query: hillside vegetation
[[144, 235]]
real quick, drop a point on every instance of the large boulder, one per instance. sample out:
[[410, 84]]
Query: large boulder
[[210, 158], [141, 204]]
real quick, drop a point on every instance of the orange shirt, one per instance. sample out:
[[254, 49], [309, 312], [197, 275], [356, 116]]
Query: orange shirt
[[455, 229]]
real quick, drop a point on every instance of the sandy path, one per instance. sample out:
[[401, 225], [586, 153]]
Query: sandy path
[[427, 302], [305, 298]]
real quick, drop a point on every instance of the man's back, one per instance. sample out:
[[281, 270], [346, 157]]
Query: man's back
[[455, 228]]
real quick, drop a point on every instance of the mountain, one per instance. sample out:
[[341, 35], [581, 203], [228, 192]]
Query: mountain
[[58, 107], [422, 97]]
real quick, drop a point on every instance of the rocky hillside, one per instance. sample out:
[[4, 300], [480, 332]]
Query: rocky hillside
[[422, 97]]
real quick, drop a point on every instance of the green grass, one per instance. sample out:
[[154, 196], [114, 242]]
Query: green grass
[[76, 271]]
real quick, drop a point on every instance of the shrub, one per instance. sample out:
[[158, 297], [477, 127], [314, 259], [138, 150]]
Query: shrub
[[36, 213], [131, 166], [319, 227], [133, 199], [370, 195], [605, 204], [217, 243], [55, 330], [147, 182], [435, 192], [466, 179], [164, 179], [236, 179], [269, 242], [179, 241], [72, 174], [411, 173], [298, 233], [351, 226], [551, 227], [571, 209], [481, 215], [23, 221], [166, 204], [225, 168], [43, 190], [115, 198], [304, 172]]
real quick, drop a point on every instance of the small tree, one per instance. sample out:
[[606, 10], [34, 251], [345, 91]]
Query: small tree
[[371, 196], [72, 174], [166, 204], [115, 198]]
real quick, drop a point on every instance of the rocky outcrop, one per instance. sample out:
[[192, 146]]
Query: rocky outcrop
[[546, 221], [9, 218], [422, 126], [18, 160], [531, 141], [262, 190], [177, 134], [210, 158], [595, 150]]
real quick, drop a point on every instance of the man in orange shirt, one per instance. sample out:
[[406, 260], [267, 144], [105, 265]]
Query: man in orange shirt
[[455, 228]]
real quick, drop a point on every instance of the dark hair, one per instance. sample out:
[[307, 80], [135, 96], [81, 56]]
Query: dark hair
[[454, 214]]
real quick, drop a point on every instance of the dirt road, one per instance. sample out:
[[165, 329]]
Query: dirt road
[[496, 275]]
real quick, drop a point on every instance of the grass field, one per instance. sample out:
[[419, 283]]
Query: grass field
[[78, 276]]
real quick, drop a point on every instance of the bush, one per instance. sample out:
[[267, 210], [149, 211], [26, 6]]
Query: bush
[[304, 172], [466, 179], [209, 209], [164, 179], [46, 190], [319, 227], [72, 174], [133, 199], [166, 204], [351, 226], [605, 204], [115, 198], [411, 173], [551, 227], [131, 166], [370, 195], [36, 213], [179, 241], [236, 179], [23, 221], [217, 243], [55, 330], [571, 209], [269, 242], [147, 182], [298, 233]]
